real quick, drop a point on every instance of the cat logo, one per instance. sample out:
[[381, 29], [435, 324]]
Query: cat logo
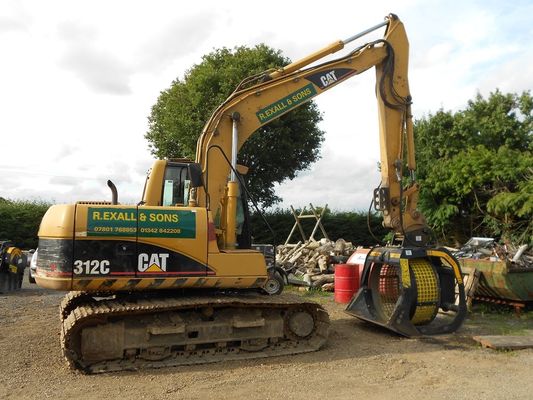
[[152, 262], [328, 79]]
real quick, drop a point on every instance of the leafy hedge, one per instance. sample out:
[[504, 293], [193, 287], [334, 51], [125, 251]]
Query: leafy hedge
[[350, 226], [19, 221]]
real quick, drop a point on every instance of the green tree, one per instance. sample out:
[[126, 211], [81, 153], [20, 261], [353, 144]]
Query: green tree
[[283, 147], [475, 168], [19, 221]]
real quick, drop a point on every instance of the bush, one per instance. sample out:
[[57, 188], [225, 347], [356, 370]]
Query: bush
[[19, 221], [348, 225]]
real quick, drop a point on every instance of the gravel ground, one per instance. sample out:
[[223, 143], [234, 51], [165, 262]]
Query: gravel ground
[[358, 361]]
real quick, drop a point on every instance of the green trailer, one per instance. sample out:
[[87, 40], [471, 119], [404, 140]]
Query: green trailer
[[502, 279]]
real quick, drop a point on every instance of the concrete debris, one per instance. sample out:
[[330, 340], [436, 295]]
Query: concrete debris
[[312, 263], [480, 248]]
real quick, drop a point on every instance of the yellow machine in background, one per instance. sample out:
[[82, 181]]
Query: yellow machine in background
[[12, 264], [125, 264]]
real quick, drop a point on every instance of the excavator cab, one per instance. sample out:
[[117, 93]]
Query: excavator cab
[[179, 178]]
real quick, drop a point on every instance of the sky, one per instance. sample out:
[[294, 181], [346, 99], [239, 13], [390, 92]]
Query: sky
[[78, 80]]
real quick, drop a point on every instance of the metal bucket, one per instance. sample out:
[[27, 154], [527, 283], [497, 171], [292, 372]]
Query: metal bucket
[[402, 289]]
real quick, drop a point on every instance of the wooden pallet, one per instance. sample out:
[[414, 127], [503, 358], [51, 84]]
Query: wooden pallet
[[471, 281]]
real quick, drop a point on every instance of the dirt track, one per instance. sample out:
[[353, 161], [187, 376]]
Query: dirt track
[[358, 362]]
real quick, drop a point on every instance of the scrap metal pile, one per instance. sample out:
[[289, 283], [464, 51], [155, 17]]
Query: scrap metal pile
[[311, 263], [504, 271], [480, 248]]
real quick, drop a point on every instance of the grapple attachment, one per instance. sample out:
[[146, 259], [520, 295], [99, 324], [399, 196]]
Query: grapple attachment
[[403, 289]]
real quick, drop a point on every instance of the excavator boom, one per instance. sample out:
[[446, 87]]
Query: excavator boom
[[278, 92]]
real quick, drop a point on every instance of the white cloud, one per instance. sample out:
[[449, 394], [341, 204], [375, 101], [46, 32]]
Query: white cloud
[[175, 39], [510, 76], [64, 151], [8, 24], [78, 81], [63, 181], [101, 70], [343, 182], [476, 28]]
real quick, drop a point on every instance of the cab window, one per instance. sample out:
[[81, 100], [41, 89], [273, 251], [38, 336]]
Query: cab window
[[175, 185]]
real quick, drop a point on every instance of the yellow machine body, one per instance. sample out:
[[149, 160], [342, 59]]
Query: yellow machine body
[[106, 247]]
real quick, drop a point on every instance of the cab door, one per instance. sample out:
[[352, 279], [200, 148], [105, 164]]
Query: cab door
[[171, 237]]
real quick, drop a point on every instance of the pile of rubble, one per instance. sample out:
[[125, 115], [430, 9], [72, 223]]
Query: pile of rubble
[[488, 248], [312, 263]]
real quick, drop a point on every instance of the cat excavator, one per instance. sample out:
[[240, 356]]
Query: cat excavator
[[174, 280]]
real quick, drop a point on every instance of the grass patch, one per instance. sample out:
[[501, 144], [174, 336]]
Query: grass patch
[[313, 294], [500, 320]]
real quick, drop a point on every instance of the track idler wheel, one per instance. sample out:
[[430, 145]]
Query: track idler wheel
[[299, 323], [274, 283], [403, 289]]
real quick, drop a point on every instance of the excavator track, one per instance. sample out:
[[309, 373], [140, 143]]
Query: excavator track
[[72, 300], [129, 333]]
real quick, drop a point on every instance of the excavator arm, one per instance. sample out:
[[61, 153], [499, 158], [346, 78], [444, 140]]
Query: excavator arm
[[275, 93], [403, 285]]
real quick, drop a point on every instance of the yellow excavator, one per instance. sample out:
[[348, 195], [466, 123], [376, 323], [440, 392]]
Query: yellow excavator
[[173, 280]]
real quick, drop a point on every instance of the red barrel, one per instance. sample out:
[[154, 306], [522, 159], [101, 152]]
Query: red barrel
[[346, 282]]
